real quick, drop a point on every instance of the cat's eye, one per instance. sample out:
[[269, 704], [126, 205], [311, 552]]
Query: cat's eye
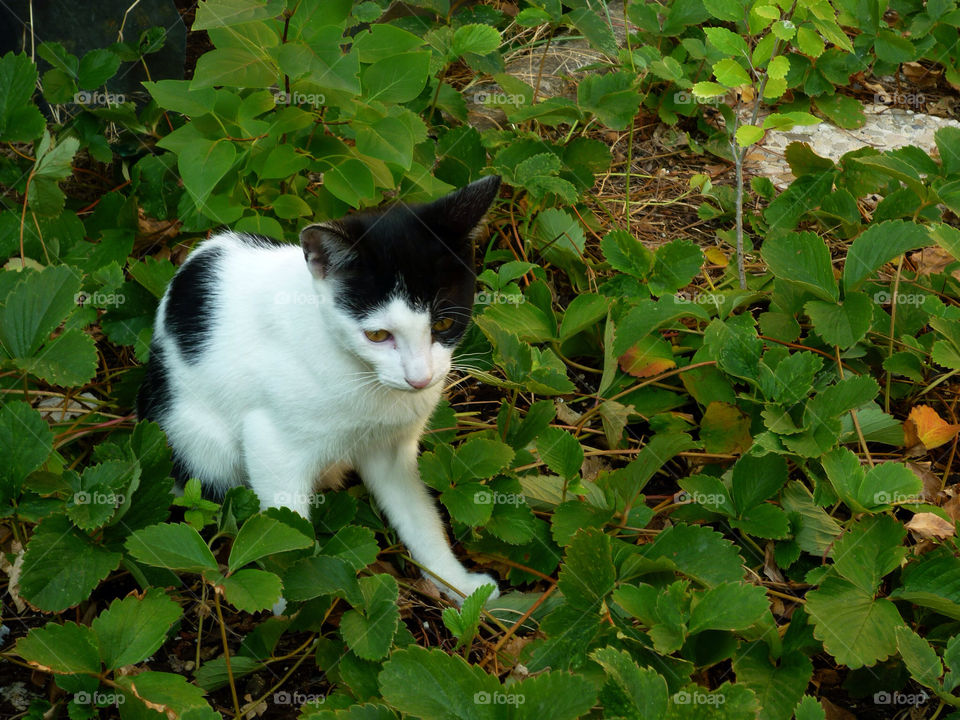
[[443, 324], [377, 336]]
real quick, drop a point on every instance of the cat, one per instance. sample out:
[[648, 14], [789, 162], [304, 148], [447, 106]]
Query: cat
[[281, 367]]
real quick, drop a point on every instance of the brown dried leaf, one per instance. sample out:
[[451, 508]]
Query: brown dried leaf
[[930, 526]]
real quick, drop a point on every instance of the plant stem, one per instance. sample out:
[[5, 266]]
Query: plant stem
[[226, 654]]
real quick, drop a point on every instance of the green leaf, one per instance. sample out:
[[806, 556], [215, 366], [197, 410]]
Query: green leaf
[[730, 73], [583, 313], [727, 10], [871, 549], [321, 575], [920, 658], [173, 546], [62, 565], [264, 535], [463, 623], [96, 67], [748, 135], [854, 627], [240, 67], [168, 693], [204, 166], [590, 23], [626, 254], [252, 590], [383, 41], [181, 97], [809, 41], [226, 13], [842, 110], [697, 551], [63, 649], [432, 684], [810, 709], [883, 485], [560, 451], [397, 79], [892, 48], [757, 478], [557, 695], [37, 305], [726, 41], [478, 39], [25, 444], [20, 121], [133, 628], [675, 265], [804, 259], [611, 97], [777, 687], [480, 458], [101, 491], [587, 574], [728, 606], [640, 691], [350, 181], [878, 245], [843, 324], [369, 630]]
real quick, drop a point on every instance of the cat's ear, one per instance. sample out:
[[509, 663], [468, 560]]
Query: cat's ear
[[327, 247], [458, 214]]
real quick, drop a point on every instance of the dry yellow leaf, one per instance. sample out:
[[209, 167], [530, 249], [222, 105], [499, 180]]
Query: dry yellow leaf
[[925, 426]]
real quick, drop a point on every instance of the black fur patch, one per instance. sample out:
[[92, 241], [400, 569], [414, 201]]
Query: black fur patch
[[154, 399], [190, 307]]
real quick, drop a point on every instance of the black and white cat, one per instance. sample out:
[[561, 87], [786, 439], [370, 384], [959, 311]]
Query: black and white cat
[[282, 367]]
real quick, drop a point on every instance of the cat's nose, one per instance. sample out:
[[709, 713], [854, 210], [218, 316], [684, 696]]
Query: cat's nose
[[418, 383]]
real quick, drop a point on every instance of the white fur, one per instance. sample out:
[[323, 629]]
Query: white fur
[[290, 392]]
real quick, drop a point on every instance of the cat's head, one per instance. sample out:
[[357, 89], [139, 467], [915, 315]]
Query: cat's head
[[402, 281]]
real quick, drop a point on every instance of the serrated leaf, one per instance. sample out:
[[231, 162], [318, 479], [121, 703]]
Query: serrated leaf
[[264, 535], [133, 628], [62, 565], [251, 590], [173, 546], [727, 606], [62, 649], [730, 73], [321, 575], [560, 451], [699, 552], [843, 324], [855, 628], [25, 444], [804, 259], [879, 244], [369, 630], [587, 574], [474, 38]]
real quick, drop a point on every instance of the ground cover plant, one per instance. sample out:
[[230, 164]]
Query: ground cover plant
[[706, 439]]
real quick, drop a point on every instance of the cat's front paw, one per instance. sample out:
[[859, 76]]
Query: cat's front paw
[[469, 583]]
